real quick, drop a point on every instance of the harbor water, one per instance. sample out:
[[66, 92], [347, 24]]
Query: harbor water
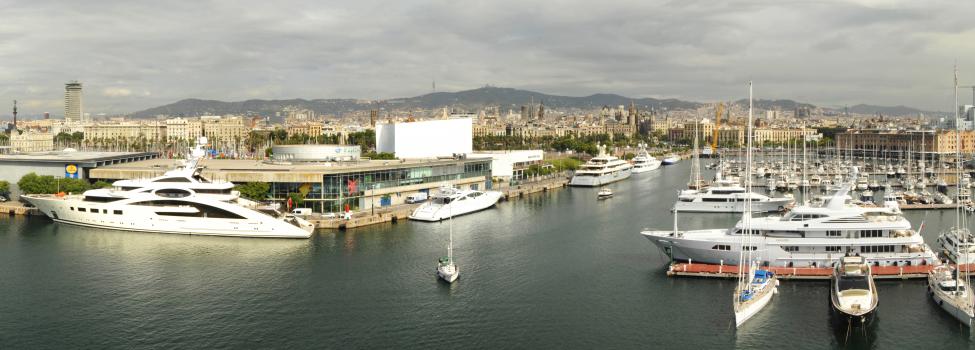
[[553, 270]]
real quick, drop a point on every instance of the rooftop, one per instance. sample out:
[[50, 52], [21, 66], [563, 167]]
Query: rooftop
[[73, 156]]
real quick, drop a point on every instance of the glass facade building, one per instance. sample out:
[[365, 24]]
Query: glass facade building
[[351, 189]]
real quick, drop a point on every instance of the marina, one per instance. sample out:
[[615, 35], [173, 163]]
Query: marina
[[583, 251]]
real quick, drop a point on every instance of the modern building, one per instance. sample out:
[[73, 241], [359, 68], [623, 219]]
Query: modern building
[[73, 107], [64, 164], [330, 187], [426, 139], [315, 153], [510, 165]]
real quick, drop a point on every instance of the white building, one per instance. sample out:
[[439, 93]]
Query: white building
[[426, 139], [510, 164]]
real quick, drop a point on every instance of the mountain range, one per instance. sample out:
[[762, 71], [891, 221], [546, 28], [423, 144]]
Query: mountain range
[[470, 100]]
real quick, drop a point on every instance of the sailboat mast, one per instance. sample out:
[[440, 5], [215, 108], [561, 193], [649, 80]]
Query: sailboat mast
[[450, 235]]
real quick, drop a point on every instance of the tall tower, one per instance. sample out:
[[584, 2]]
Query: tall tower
[[72, 102], [15, 114]]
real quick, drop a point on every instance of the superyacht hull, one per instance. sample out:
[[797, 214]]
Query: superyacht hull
[[773, 205], [699, 246], [144, 219], [604, 179], [639, 169]]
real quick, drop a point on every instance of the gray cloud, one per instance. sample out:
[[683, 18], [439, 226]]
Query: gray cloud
[[134, 55]]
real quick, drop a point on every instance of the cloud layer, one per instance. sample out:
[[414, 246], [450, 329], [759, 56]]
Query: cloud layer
[[135, 55]]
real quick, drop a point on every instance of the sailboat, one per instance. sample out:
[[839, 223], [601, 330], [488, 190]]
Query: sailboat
[[446, 268], [945, 285], [755, 285]]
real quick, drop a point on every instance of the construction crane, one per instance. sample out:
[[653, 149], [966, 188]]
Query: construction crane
[[718, 110]]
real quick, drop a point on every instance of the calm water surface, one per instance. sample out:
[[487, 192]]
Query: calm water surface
[[556, 270]]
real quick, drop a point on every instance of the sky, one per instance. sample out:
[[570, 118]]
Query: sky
[[133, 55]]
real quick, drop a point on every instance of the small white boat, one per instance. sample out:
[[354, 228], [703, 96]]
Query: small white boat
[[671, 159], [446, 268], [853, 293], [604, 193], [459, 201], [752, 296]]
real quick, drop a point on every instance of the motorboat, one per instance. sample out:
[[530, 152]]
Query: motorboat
[[450, 201], [853, 292], [670, 159], [181, 201], [604, 193]]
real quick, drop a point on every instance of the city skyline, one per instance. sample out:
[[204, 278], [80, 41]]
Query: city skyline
[[137, 56]]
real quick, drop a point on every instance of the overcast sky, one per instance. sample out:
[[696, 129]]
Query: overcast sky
[[132, 55]]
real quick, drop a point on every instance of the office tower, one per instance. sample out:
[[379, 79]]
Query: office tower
[[72, 102]]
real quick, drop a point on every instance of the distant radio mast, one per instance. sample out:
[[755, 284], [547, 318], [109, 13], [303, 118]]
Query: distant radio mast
[[434, 85]]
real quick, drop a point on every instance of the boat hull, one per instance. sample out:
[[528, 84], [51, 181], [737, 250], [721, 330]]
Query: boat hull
[[746, 313], [772, 205], [604, 179], [698, 246], [137, 219], [448, 275], [431, 212], [648, 167]]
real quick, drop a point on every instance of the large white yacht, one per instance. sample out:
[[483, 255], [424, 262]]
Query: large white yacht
[[180, 201], [644, 162], [449, 201], [728, 198], [807, 236], [601, 170]]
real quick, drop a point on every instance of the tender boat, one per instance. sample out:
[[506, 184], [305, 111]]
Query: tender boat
[[671, 159], [449, 201], [853, 293], [604, 193]]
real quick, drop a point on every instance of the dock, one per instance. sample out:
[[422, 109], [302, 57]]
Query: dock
[[17, 208], [799, 273], [544, 185]]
